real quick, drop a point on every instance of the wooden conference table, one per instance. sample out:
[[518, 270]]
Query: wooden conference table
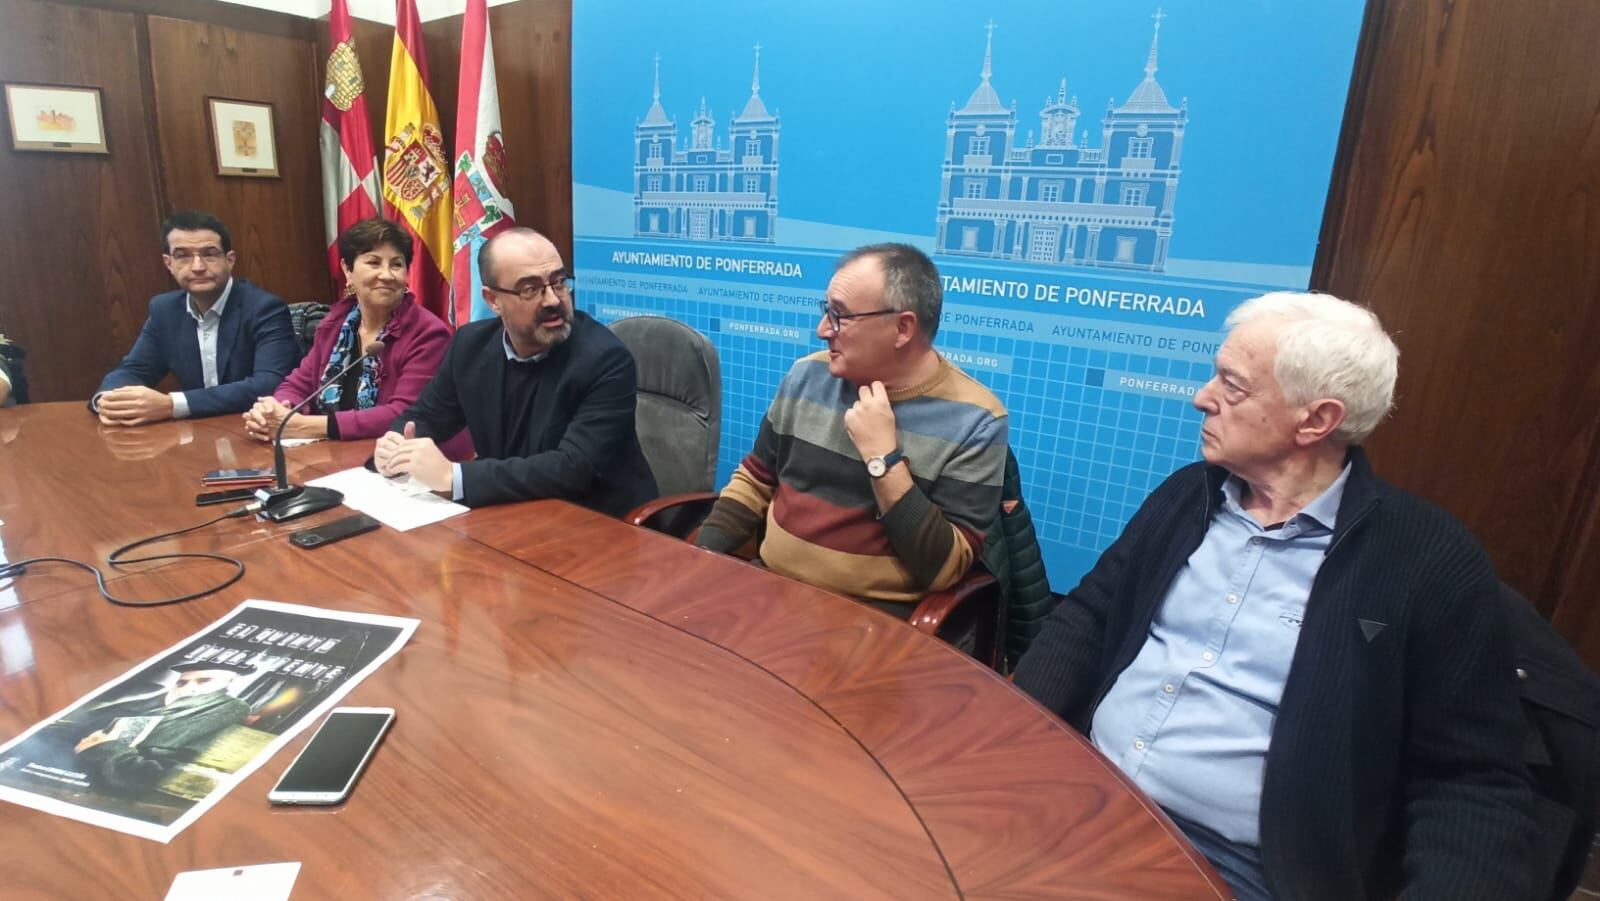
[[587, 709]]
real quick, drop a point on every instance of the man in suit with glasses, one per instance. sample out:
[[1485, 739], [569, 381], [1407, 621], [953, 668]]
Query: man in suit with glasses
[[226, 341], [546, 392]]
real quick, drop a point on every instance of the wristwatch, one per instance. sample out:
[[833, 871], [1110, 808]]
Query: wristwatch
[[878, 467]]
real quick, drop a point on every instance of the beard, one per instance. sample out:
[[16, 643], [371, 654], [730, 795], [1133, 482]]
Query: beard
[[550, 337]]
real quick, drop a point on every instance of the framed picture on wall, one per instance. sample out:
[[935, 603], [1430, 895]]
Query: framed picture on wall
[[56, 118], [242, 137]]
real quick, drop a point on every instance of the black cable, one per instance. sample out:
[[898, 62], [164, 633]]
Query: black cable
[[19, 568]]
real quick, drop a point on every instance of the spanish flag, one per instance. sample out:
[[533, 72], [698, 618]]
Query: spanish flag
[[416, 172]]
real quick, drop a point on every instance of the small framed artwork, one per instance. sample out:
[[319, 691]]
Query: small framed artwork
[[56, 118], [242, 136]]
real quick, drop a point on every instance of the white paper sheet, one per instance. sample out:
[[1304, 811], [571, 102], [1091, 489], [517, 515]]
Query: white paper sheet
[[265, 882], [401, 504]]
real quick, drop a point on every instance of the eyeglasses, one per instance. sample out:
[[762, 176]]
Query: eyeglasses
[[208, 254], [531, 290], [836, 319]]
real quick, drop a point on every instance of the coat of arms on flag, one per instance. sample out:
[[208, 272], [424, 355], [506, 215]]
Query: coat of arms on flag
[[481, 208], [344, 76], [415, 168], [344, 139], [478, 189]]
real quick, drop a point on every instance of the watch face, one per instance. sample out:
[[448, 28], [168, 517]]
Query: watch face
[[875, 467]]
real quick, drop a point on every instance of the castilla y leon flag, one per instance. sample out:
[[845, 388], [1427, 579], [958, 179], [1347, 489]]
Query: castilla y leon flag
[[416, 175], [481, 206], [349, 169]]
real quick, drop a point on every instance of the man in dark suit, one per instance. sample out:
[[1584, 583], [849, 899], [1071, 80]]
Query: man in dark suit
[[227, 341], [546, 392], [1305, 666], [129, 744]]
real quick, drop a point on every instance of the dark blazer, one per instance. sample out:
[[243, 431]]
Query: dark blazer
[[581, 445], [1396, 757], [256, 348]]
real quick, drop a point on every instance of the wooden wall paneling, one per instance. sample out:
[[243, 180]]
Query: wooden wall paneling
[[233, 15], [442, 38], [1470, 222], [276, 223], [77, 231], [1576, 579]]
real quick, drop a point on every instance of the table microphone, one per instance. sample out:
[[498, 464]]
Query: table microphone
[[284, 501]]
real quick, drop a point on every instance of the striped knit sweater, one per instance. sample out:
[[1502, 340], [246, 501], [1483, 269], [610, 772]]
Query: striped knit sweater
[[810, 485]]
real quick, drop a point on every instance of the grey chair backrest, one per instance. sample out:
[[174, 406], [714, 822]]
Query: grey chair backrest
[[679, 414]]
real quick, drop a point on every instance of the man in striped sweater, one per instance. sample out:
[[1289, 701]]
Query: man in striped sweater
[[1305, 666], [878, 467]]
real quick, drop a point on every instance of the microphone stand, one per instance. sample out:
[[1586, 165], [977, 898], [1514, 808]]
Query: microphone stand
[[284, 501]]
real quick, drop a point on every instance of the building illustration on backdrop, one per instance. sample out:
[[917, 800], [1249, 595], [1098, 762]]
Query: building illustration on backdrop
[[706, 191], [1053, 198]]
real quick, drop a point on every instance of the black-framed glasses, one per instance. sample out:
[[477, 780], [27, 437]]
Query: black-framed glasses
[[836, 319], [186, 256], [531, 290]]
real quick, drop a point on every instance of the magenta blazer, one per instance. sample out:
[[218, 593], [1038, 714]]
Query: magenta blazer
[[412, 351]]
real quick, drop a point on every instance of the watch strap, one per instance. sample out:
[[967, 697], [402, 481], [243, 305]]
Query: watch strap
[[888, 460]]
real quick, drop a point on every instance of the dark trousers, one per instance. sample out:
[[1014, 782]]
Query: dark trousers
[[1238, 865]]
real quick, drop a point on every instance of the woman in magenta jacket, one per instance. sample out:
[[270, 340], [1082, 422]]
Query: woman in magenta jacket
[[376, 254]]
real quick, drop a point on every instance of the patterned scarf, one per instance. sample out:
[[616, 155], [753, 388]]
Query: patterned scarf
[[343, 348]]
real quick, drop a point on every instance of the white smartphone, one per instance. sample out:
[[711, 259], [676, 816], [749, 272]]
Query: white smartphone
[[333, 759]]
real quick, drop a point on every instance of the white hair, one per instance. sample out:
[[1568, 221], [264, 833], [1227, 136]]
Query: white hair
[[1329, 348]]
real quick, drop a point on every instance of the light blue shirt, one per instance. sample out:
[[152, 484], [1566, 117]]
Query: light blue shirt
[[207, 325], [1190, 719], [456, 491]]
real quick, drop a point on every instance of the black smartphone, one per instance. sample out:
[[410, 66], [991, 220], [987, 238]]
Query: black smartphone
[[237, 477], [327, 768], [224, 497], [328, 533], [223, 476]]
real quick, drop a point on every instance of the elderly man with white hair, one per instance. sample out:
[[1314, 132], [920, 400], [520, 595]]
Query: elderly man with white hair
[[1303, 665]]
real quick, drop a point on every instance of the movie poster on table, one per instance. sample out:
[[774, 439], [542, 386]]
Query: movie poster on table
[[1099, 184], [151, 751]]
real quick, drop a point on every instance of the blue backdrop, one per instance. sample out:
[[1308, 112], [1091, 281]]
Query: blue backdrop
[[1100, 184]]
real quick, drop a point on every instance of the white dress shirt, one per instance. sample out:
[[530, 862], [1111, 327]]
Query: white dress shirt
[[207, 325]]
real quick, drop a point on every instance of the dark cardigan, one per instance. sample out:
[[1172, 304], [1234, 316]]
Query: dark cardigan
[[1395, 758]]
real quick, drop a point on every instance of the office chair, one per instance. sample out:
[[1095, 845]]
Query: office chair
[[679, 414], [304, 319], [1561, 744]]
